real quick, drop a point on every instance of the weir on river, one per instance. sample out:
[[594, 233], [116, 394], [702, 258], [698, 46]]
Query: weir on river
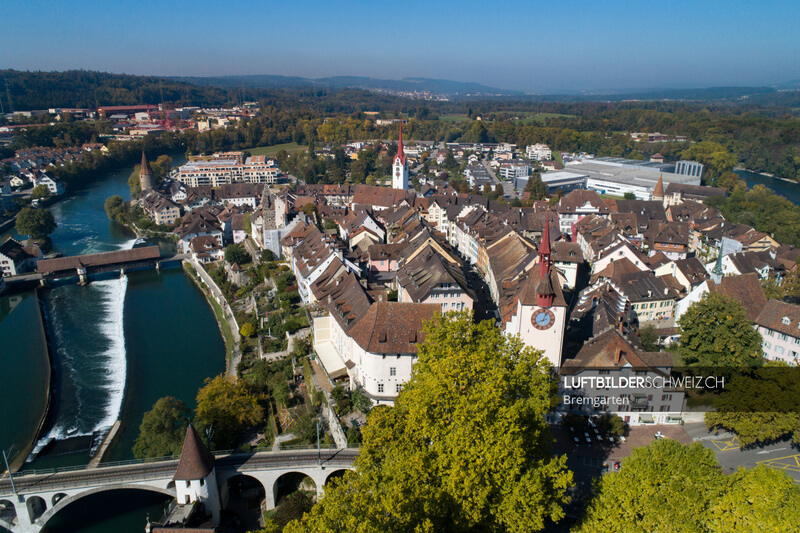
[[118, 343]]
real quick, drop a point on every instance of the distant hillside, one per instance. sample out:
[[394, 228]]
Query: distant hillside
[[88, 89], [434, 86]]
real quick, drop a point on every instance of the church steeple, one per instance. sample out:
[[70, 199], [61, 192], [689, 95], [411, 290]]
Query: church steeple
[[401, 155], [545, 294], [400, 166]]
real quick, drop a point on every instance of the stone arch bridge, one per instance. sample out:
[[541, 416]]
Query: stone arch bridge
[[39, 496]]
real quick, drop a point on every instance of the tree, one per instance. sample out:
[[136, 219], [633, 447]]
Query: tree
[[35, 222], [236, 253], [40, 191], [247, 329], [161, 167], [758, 499], [715, 332], [536, 187], [115, 207], [133, 182], [163, 429], [227, 407], [629, 196], [665, 486], [465, 447], [648, 335], [267, 256]]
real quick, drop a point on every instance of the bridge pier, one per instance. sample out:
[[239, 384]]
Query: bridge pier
[[83, 277]]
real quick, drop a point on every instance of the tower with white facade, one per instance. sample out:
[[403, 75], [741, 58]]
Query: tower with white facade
[[541, 315], [195, 478], [400, 166]]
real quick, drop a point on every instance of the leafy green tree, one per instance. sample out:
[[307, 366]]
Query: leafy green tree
[[115, 207], [629, 196], [227, 407], [40, 191], [755, 500], [613, 425], [536, 188], [648, 335], [133, 182], [465, 447], [35, 222], [247, 329], [161, 167], [759, 405], [236, 253], [665, 486], [163, 429], [714, 156], [715, 332], [267, 256]]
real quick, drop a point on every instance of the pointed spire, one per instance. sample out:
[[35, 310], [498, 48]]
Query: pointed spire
[[544, 248], [145, 174], [145, 168], [196, 461], [659, 190], [400, 153]]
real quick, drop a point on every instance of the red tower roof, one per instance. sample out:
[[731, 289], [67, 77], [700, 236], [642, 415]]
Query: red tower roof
[[400, 153]]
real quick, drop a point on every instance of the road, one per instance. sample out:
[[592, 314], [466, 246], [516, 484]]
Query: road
[[781, 455]]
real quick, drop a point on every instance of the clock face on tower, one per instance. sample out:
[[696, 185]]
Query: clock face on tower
[[543, 319]]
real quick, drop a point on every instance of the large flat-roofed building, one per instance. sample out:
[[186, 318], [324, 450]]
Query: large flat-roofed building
[[616, 176], [556, 179], [222, 171]]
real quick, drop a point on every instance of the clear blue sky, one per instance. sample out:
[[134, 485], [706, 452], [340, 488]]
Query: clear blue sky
[[531, 45]]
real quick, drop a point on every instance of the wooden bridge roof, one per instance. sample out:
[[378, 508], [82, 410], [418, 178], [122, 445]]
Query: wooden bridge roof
[[46, 266]]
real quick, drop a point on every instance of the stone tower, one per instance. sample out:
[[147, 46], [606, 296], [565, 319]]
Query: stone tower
[[195, 478], [658, 192], [145, 175], [400, 166]]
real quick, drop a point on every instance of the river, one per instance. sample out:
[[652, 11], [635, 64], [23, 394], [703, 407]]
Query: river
[[789, 189], [118, 345]]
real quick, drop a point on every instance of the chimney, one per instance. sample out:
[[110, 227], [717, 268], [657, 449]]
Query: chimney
[[617, 356]]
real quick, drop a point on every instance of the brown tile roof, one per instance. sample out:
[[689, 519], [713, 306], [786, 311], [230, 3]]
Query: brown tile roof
[[393, 327], [781, 317], [422, 274], [613, 349], [368, 195], [104, 258], [196, 461], [746, 289]]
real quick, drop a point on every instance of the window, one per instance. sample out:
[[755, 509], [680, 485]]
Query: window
[[781, 337], [380, 387], [780, 349], [770, 333], [663, 408], [786, 320], [767, 345], [666, 397], [392, 371], [398, 387]]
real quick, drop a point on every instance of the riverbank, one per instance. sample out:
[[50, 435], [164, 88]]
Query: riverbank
[[225, 328], [19, 461], [765, 174]]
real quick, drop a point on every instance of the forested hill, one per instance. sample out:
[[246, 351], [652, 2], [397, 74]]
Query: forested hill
[[88, 89]]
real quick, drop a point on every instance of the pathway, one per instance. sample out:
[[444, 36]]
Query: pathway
[[226, 309]]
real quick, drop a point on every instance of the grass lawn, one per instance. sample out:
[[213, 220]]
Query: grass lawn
[[270, 151], [557, 156]]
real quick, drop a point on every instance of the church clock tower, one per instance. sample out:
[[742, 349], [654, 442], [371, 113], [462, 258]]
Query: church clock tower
[[400, 166], [541, 315]]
